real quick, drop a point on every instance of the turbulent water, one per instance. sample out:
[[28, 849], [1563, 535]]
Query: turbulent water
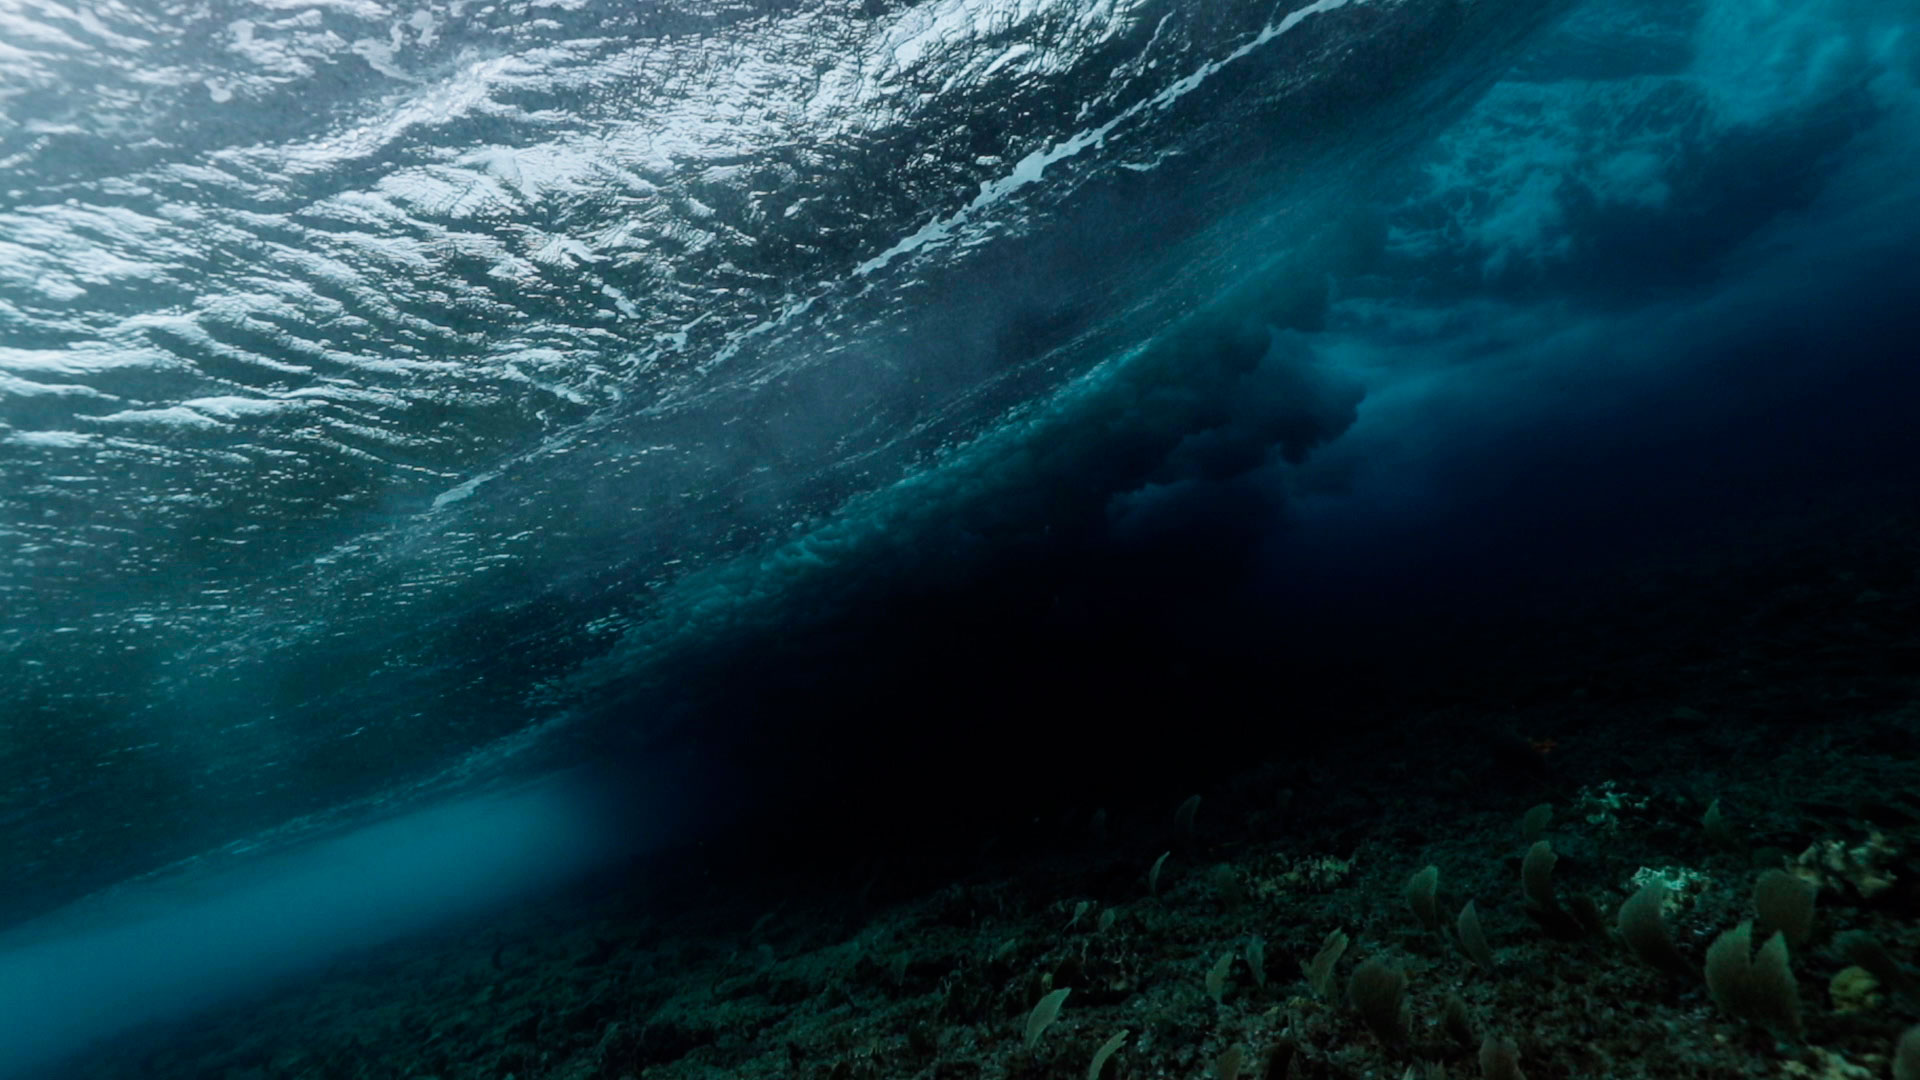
[[393, 395]]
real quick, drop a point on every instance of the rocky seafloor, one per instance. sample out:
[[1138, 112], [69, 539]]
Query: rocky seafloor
[[1743, 729]]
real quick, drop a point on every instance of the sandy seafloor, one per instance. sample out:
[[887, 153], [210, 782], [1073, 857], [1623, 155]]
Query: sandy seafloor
[[1779, 675]]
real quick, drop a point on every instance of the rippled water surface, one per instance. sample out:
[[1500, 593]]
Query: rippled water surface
[[391, 392]]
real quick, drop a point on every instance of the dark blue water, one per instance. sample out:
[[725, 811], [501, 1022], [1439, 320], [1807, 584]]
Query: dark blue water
[[840, 411]]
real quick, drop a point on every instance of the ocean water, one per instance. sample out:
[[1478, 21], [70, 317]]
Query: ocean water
[[450, 448]]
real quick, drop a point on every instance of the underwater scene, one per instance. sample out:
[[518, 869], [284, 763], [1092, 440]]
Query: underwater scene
[[959, 539]]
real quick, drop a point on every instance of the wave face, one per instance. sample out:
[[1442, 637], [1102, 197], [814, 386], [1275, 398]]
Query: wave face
[[395, 394]]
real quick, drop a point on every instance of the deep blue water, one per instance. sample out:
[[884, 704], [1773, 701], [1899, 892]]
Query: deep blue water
[[700, 410]]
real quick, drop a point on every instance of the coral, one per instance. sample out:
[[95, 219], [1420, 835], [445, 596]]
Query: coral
[[1863, 867], [1313, 873], [1682, 885], [1829, 1066], [1854, 989], [1604, 805], [1757, 987]]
